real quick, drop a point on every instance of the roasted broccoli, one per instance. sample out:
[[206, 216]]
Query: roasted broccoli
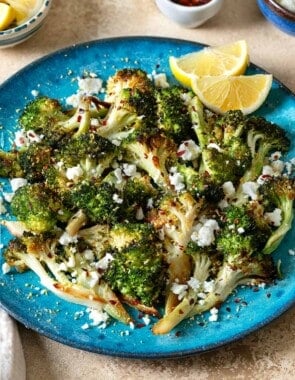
[[38, 208], [278, 193], [42, 115], [173, 115]]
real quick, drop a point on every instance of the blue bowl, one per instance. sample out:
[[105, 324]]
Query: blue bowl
[[279, 16]]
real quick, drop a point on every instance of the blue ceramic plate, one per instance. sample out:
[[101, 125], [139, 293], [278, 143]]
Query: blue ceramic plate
[[21, 294]]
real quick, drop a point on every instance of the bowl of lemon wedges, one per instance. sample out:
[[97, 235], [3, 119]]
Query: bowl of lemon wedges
[[20, 19], [217, 76]]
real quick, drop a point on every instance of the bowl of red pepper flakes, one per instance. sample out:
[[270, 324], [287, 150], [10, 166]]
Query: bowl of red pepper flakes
[[189, 13]]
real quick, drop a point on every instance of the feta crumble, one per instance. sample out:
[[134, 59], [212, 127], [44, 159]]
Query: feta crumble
[[188, 150]]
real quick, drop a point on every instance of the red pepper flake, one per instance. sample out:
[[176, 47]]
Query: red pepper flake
[[180, 153], [191, 3], [177, 334]]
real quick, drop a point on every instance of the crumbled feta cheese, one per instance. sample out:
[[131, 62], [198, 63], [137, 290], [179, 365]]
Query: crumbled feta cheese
[[74, 100], [104, 262], [250, 189], [291, 252], [20, 139], [35, 93], [94, 278], [176, 180], [62, 267], [8, 196], [274, 217], [74, 173], [241, 230], [276, 156], [117, 199], [118, 175], [278, 167], [160, 80], [188, 150], [90, 85], [16, 183], [208, 286], [130, 170], [98, 317], [5, 268], [204, 232], [193, 283], [150, 203], [88, 254], [179, 289], [214, 315], [67, 239], [229, 189]]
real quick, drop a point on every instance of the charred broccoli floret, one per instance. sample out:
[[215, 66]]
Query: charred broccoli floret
[[38, 208], [154, 155], [173, 116], [9, 164], [42, 114], [100, 202], [279, 193], [137, 272]]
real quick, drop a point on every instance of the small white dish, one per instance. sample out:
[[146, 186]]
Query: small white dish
[[189, 16], [13, 36]]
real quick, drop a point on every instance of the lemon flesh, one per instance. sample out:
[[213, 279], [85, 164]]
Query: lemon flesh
[[23, 8], [224, 93], [231, 59], [7, 16]]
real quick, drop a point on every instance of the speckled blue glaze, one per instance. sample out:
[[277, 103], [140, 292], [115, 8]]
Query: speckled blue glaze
[[20, 293], [276, 18]]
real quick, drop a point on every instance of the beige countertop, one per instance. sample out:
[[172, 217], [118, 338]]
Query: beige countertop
[[265, 354]]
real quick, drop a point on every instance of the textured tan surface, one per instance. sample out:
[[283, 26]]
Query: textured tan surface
[[267, 354]]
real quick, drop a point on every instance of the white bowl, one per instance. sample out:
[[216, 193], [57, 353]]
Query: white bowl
[[189, 16], [22, 32]]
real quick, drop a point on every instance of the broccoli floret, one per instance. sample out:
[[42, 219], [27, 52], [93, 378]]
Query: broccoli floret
[[124, 235], [263, 137], [98, 201], [133, 112], [80, 283], [240, 233], [127, 78], [175, 218], [155, 155], [279, 192], [90, 151], [34, 160], [9, 164], [201, 264], [173, 114], [137, 272], [200, 184], [139, 196], [42, 114], [38, 207]]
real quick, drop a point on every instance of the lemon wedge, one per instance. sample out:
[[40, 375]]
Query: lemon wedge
[[223, 93], [23, 8], [230, 59], [7, 16]]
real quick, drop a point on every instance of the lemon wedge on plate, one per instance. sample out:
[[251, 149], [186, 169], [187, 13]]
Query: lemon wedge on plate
[[7, 16], [23, 8], [223, 93], [230, 59]]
